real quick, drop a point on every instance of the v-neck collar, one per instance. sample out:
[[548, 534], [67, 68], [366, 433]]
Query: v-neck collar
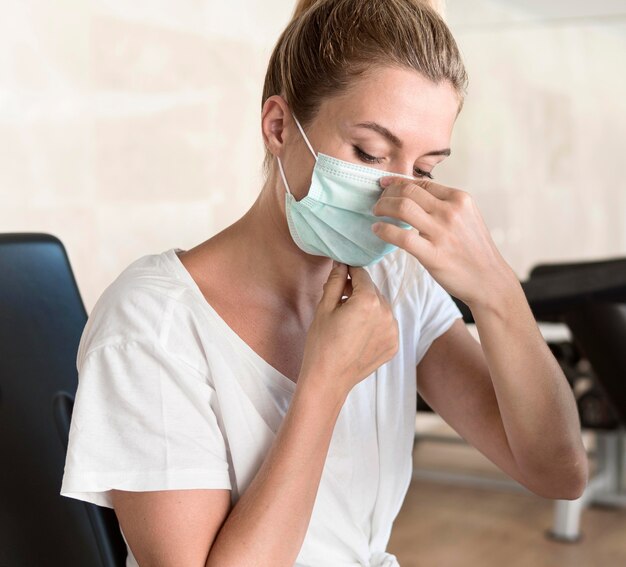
[[281, 380]]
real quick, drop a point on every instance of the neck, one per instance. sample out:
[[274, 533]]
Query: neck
[[258, 249]]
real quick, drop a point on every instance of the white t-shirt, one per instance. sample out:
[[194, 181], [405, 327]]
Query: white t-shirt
[[170, 397]]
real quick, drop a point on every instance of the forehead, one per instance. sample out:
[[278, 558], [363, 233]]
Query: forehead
[[402, 100]]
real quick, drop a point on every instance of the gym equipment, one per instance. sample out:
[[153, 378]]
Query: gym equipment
[[41, 321]]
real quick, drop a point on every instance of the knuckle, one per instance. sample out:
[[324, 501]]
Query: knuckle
[[396, 347], [392, 347], [370, 300], [395, 334], [464, 196], [405, 206], [394, 344], [394, 329], [405, 238], [462, 199], [412, 188], [452, 213], [400, 188], [365, 304]]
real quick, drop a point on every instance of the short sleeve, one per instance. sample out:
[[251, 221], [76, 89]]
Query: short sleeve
[[143, 420], [437, 312]]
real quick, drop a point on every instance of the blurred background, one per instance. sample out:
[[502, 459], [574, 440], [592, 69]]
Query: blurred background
[[127, 128], [131, 127]]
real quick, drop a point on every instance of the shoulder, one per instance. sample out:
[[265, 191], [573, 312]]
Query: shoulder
[[139, 304]]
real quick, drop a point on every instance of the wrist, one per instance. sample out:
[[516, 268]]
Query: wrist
[[499, 297], [321, 390]]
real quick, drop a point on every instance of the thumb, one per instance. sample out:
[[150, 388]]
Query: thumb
[[334, 285], [361, 280]]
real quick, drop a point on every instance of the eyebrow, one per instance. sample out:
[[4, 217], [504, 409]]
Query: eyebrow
[[394, 139]]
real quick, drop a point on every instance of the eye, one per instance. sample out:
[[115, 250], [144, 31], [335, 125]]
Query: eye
[[371, 159], [366, 157], [421, 173]]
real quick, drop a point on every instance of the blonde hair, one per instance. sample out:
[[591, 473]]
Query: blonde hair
[[329, 44]]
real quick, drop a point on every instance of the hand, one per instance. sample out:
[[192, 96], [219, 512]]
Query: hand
[[449, 237], [348, 339]]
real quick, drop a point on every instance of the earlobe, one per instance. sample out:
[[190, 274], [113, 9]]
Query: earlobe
[[273, 134]]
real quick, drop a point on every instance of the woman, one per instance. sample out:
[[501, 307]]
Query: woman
[[251, 402]]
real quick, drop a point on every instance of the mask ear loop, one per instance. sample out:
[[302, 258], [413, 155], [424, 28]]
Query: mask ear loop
[[280, 165], [282, 174], [305, 138]]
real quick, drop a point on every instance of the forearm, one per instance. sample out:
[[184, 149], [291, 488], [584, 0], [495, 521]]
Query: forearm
[[269, 521], [536, 403]]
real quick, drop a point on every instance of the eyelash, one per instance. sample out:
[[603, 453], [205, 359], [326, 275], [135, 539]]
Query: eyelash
[[371, 159]]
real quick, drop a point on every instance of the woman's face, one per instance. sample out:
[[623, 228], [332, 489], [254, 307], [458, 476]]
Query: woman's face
[[417, 114]]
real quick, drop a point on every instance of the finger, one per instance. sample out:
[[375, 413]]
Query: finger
[[412, 190], [410, 240], [377, 291], [436, 189], [334, 285], [407, 210], [361, 280]]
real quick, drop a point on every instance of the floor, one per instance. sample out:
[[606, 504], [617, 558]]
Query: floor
[[446, 525]]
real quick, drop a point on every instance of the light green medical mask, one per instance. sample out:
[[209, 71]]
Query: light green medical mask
[[334, 219]]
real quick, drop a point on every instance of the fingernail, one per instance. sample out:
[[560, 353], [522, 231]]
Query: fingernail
[[384, 181]]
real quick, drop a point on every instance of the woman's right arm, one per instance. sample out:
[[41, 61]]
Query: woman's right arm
[[346, 342], [268, 523]]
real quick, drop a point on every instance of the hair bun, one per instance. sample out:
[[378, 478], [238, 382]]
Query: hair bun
[[302, 6]]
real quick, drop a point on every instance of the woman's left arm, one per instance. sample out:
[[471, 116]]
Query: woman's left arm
[[535, 404]]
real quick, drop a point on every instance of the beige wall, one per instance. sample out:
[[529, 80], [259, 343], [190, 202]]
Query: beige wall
[[541, 141], [129, 128]]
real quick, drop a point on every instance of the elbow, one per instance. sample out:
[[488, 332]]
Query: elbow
[[561, 489], [581, 480], [573, 489], [578, 476], [561, 483]]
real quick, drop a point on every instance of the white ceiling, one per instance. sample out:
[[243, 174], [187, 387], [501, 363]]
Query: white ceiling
[[473, 13]]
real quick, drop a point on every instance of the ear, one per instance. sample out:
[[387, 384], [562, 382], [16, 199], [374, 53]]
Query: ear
[[275, 123]]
